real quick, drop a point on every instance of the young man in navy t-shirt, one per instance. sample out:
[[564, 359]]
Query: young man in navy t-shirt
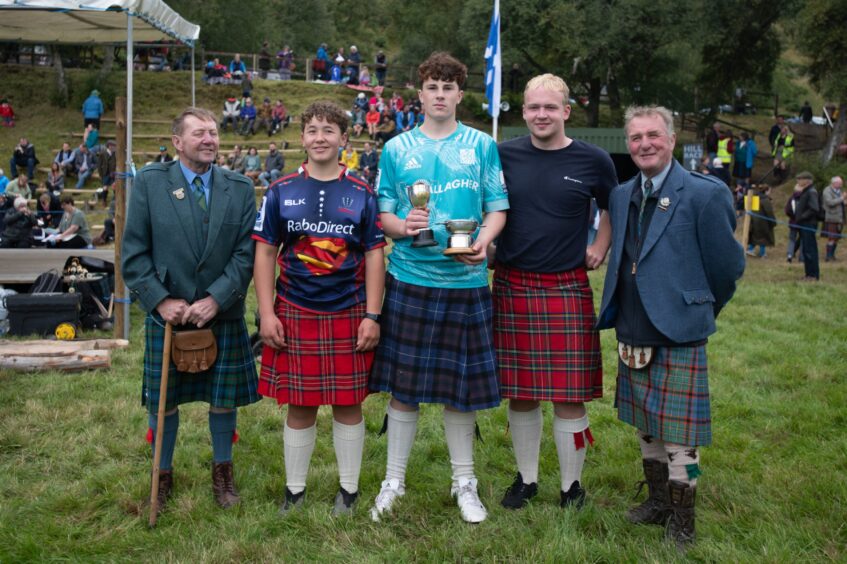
[[547, 346]]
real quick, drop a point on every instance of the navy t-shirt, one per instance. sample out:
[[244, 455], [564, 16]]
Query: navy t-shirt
[[550, 203], [325, 228]]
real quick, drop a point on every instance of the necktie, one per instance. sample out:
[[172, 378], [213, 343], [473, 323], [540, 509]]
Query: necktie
[[200, 194], [648, 189]]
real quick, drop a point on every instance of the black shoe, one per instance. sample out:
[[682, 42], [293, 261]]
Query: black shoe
[[680, 529], [292, 501], [574, 497], [655, 509], [519, 493], [344, 502]]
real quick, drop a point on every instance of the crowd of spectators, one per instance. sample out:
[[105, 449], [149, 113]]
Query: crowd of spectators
[[246, 118]]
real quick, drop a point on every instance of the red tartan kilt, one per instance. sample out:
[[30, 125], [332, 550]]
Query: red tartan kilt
[[320, 365], [547, 346]]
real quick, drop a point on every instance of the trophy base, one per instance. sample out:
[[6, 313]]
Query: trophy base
[[424, 238], [459, 251]]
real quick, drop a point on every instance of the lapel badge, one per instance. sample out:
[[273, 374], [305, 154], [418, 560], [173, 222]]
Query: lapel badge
[[664, 203], [179, 193]]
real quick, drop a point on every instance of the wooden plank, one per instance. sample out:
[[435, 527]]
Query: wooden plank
[[45, 347], [81, 360]]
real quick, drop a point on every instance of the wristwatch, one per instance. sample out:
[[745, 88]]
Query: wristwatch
[[373, 317]]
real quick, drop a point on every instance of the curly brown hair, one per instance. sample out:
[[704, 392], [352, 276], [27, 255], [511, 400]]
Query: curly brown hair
[[443, 66], [327, 111]]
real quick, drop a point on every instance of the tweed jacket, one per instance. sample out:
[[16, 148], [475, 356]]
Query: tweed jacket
[[162, 255], [689, 262]]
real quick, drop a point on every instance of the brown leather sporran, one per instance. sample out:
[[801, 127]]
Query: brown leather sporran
[[194, 351]]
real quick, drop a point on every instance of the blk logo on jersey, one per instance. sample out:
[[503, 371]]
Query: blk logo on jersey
[[298, 202]]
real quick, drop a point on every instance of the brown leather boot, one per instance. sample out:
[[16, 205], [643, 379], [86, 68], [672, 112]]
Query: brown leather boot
[[680, 528], [223, 485], [166, 485], [655, 510]]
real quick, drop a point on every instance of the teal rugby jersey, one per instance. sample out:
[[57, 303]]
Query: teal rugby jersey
[[467, 180]]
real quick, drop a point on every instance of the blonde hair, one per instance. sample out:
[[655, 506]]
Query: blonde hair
[[550, 82], [633, 112]]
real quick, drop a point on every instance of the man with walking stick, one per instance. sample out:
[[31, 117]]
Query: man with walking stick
[[187, 260]]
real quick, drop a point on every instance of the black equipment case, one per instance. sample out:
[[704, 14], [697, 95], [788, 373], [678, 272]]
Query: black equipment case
[[42, 313]]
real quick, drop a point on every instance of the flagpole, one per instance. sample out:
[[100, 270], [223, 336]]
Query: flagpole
[[494, 128], [493, 69]]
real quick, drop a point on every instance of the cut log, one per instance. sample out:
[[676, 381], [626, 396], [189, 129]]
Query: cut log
[[81, 360], [45, 348]]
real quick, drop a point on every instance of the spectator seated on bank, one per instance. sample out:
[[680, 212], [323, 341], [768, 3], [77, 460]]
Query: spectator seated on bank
[[55, 182], [335, 73], [232, 111], [73, 228], [237, 68], [265, 116], [369, 163], [386, 129], [215, 72], [65, 159], [23, 156], [20, 187], [247, 118], [236, 159], [18, 224], [7, 114], [364, 76], [361, 101], [280, 119], [253, 165], [372, 119], [358, 121], [396, 102], [274, 165], [85, 164], [91, 137], [49, 210], [349, 157]]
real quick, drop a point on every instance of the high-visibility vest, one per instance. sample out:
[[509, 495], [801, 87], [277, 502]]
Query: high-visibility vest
[[723, 151], [787, 148]]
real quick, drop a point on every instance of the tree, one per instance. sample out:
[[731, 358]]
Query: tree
[[824, 44]]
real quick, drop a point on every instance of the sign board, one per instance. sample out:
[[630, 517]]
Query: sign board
[[691, 155]]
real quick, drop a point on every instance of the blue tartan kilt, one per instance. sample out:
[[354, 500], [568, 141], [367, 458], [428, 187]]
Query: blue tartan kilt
[[230, 382], [668, 399], [436, 346]]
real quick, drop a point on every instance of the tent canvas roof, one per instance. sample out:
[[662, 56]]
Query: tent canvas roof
[[92, 21]]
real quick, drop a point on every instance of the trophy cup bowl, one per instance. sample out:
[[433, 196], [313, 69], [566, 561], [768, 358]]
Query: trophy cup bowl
[[419, 193], [461, 236]]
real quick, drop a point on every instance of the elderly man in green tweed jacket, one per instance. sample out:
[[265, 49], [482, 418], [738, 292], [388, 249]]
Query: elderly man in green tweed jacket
[[187, 260]]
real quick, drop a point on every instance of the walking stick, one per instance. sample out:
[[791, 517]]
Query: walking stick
[[160, 425]]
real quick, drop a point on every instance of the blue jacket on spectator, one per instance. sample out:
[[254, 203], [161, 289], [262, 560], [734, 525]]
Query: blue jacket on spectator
[[92, 107], [399, 121], [335, 74], [237, 67], [248, 112]]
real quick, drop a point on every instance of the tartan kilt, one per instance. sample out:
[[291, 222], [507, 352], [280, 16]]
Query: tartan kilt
[[320, 365], [436, 346], [547, 346], [831, 227], [669, 398], [230, 382]]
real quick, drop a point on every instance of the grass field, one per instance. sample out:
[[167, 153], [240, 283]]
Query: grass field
[[75, 464]]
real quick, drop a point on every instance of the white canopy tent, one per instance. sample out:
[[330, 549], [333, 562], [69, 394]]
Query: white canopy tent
[[99, 21]]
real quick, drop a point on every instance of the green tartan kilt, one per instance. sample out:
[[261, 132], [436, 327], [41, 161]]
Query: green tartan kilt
[[230, 382]]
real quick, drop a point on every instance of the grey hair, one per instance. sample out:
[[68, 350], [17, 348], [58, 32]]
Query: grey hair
[[20, 201], [633, 112]]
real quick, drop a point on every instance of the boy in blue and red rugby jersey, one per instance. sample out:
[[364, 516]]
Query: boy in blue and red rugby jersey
[[322, 325]]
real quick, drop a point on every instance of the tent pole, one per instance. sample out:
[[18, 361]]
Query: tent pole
[[193, 100], [130, 67]]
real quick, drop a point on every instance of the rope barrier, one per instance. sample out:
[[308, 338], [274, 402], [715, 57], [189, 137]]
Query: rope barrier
[[794, 226]]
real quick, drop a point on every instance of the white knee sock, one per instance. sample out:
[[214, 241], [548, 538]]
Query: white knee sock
[[298, 447], [683, 463], [525, 428], [571, 448], [652, 448], [349, 441], [459, 431], [402, 426]]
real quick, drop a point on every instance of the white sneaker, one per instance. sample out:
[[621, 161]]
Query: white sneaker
[[467, 498], [390, 491]]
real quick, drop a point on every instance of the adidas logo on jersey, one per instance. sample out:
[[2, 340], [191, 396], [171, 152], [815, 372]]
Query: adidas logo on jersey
[[412, 164]]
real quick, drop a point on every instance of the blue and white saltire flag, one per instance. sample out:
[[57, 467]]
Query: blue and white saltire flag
[[493, 64]]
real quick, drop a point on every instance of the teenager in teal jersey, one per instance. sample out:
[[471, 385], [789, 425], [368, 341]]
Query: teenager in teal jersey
[[436, 325]]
